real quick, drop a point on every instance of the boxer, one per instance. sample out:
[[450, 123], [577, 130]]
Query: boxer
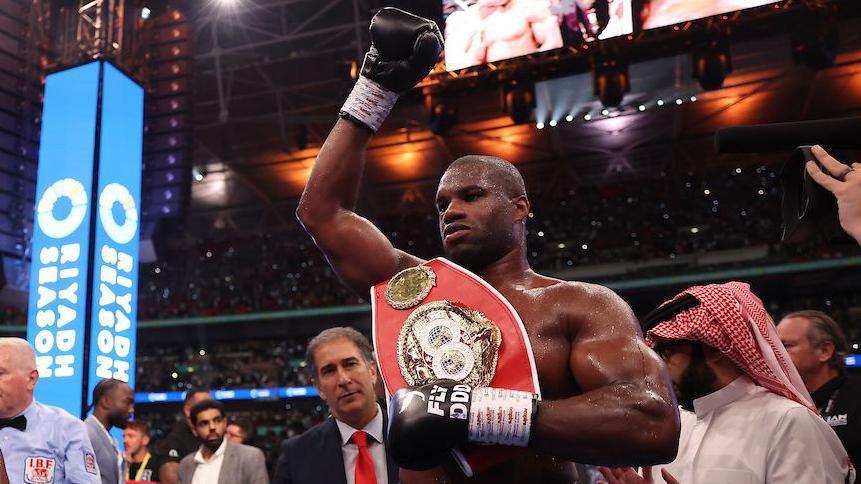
[[606, 396]]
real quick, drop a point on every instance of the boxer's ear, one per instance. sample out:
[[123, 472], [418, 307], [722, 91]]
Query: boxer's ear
[[521, 208]]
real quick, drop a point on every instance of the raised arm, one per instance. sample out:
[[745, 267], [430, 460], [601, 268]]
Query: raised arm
[[627, 414], [403, 50]]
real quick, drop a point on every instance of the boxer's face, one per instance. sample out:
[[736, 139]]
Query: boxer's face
[[346, 381], [476, 217]]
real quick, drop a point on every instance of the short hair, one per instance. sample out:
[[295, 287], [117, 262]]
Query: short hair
[[824, 329], [23, 354], [191, 393], [104, 387], [139, 425], [506, 174], [206, 405], [336, 333]]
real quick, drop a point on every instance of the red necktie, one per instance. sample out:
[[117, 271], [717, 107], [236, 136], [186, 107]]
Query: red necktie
[[365, 463]]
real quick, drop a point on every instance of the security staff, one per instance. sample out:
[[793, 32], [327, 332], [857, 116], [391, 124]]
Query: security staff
[[40, 443], [818, 349]]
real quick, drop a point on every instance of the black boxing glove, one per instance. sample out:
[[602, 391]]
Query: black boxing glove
[[404, 48], [426, 422]]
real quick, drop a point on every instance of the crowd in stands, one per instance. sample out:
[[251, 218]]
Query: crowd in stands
[[572, 224]]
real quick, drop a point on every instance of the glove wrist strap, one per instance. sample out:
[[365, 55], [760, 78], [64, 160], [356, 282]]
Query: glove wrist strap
[[500, 416], [369, 103]]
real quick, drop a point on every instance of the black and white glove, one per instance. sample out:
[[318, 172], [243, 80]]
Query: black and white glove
[[426, 422], [404, 48]]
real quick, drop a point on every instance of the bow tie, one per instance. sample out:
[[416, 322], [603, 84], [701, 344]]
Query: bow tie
[[19, 422]]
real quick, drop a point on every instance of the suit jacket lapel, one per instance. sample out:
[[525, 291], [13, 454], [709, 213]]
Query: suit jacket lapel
[[390, 463], [229, 473], [333, 456]]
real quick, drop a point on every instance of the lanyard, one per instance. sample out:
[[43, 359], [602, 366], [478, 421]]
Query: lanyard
[[830, 405], [140, 469]]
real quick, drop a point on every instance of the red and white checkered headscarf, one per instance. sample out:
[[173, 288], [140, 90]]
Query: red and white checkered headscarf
[[731, 319]]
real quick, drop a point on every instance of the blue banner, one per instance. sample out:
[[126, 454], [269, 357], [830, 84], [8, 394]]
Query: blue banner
[[115, 258], [61, 235], [239, 394]]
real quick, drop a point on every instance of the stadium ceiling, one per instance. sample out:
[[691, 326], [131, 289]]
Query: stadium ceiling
[[271, 75]]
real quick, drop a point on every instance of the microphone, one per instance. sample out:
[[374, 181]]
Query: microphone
[[834, 133]]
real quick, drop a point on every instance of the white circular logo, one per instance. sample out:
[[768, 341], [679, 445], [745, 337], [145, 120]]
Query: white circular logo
[[77, 195], [116, 193]]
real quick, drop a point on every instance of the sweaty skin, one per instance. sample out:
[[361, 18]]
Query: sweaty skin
[[606, 396]]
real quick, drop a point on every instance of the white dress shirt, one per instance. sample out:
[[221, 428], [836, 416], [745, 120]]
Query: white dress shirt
[[376, 446], [207, 471], [745, 434]]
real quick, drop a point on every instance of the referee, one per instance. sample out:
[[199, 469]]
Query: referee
[[39, 443]]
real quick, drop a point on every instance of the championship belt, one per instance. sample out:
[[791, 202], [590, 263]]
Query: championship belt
[[439, 321]]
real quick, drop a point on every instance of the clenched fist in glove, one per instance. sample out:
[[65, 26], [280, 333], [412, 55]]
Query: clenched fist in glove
[[427, 422], [404, 48]]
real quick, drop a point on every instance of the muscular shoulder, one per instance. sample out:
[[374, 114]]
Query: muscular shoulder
[[578, 299]]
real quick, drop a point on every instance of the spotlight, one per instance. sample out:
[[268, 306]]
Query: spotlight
[[660, 102], [587, 117], [816, 39], [711, 62], [641, 107], [693, 99], [517, 103], [198, 172], [442, 118], [552, 122], [610, 81], [145, 13], [569, 118], [604, 112], [539, 125], [679, 101]]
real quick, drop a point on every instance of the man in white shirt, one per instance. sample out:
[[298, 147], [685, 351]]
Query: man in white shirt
[[752, 419], [219, 461], [350, 447]]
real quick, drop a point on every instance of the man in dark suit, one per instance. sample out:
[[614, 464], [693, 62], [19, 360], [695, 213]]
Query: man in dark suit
[[349, 447]]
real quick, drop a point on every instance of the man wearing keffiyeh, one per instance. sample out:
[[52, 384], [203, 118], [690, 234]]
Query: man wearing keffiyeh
[[747, 416]]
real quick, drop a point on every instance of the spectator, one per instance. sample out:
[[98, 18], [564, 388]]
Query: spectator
[[38, 442], [818, 350], [113, 405], [754, 420], [219, 460], [239, 431], [140, 466], [181, 441], [345, 374]]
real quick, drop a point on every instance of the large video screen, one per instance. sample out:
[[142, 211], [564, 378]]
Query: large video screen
[[482, 31], [660, 13]]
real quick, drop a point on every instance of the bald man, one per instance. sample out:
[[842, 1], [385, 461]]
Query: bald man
[[39, 443]]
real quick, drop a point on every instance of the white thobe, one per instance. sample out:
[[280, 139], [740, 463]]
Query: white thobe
[[745, 434]]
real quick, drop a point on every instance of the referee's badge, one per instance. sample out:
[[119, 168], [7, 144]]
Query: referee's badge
[[39, 470]]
